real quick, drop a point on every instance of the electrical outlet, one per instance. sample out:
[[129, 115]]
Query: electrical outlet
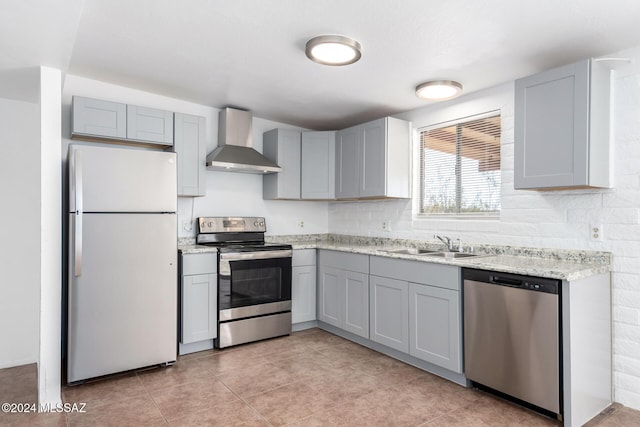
[[187, 225], [300, 224], [386, 225], [595, 232]]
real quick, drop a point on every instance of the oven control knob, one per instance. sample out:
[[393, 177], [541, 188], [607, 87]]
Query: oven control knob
[[255, 223], [261, 223]]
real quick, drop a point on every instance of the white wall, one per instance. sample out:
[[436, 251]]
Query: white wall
[[228, 193], [20, 227], [50, 236], [239, 194], [546, 219]]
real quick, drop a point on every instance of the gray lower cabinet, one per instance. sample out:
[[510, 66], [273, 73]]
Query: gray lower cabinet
[[343, 291], [198, 307], [317, 167], [283, 147], [356, 299], [303, 286], [434, 322], [330, 295], [389, 299], [562, 128], [416, 308], [190, 147], [199, 293]]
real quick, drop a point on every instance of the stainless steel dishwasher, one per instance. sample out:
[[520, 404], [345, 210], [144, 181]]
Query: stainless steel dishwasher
[[512, 336]]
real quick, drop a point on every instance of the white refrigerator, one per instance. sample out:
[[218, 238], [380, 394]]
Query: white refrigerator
[[122, 291]]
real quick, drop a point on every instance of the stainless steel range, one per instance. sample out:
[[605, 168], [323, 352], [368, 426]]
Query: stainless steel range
[[254, 280]]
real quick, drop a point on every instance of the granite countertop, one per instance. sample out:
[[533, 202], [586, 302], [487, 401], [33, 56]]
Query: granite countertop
[[556, 264], [560, 264], [187, 245]]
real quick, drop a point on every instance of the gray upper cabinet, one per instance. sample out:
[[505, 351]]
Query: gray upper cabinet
[[97, 118], [373, 160], [318, 165], [368, 161], [105, 120], [190, 147], [562, 128], [373, 155], [347, 179], [149, 125], [283, 147]]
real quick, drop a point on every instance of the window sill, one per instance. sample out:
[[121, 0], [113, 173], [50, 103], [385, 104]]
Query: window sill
[[457, 217]]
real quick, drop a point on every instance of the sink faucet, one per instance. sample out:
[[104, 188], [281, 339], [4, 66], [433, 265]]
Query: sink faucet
[[446, 240]]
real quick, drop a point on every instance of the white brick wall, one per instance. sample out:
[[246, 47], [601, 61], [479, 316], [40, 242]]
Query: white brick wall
[[548, 219]]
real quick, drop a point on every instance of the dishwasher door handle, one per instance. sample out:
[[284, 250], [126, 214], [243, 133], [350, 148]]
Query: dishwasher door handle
[[505, 281]]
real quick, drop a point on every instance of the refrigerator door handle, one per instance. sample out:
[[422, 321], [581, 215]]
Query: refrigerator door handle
[[77, 243]]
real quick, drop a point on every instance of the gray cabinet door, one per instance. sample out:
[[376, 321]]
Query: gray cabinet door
[[199, 308], [283, 147], [94, 117], [389, 301], [318, 166], [434, 325], [552, 128], [347, 163], [373, 157], [356, 303], [190, 146], [303, 294], [149, 125], [330, 296]]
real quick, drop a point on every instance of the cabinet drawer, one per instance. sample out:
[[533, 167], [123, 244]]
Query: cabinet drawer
[[443, 276], [303, 257], [203, 263], [344, 261]]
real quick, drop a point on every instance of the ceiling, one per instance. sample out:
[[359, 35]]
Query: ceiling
[[250, 53]]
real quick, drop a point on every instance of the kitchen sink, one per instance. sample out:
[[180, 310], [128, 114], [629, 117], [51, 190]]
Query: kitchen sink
[[452, 254], [411, 251]]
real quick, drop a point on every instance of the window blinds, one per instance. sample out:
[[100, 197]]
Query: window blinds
[[460, 167]]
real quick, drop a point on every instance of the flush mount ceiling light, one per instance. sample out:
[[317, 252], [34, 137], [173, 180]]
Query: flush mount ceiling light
[[438, 90], [333, 50]]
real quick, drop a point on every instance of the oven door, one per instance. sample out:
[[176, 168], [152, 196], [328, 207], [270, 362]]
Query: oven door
[[254, 283]]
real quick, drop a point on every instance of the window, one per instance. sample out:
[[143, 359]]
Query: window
[[460, 167]]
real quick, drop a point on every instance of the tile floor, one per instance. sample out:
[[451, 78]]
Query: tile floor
[[311, 378]]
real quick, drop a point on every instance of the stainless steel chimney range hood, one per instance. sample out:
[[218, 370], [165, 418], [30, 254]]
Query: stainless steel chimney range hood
[[235, 152]]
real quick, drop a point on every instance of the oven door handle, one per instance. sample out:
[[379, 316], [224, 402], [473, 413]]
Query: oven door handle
[[242, 256]]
